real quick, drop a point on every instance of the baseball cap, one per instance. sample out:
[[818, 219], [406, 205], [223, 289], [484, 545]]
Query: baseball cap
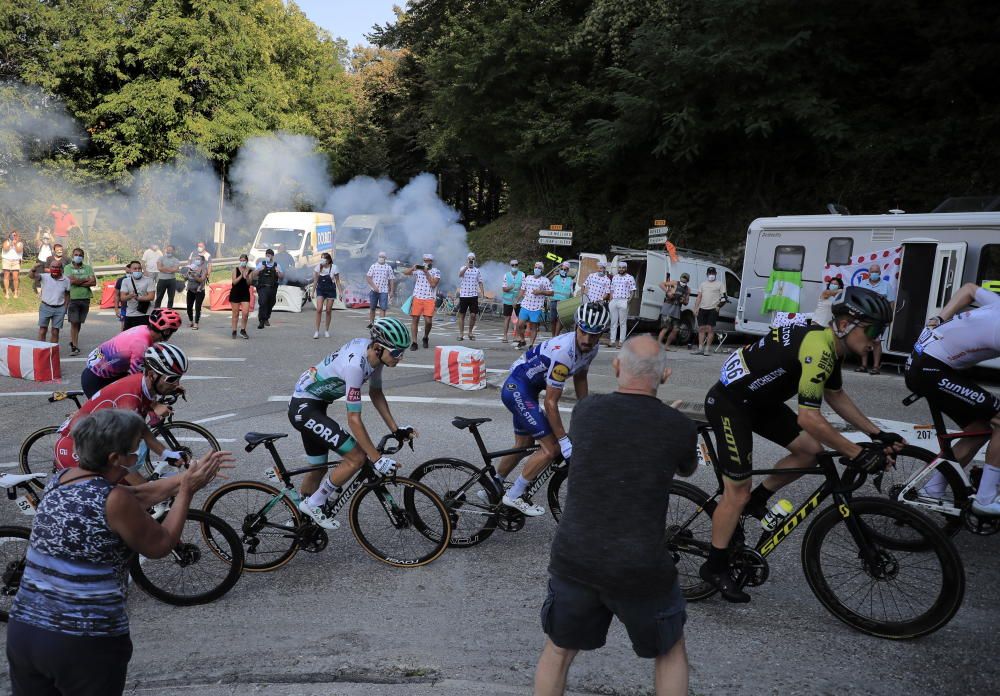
[[429, 257], [602, 264], [622, 264], [471, 255]]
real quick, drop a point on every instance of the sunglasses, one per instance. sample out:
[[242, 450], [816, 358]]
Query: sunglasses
[[171, 379], [872, 331]]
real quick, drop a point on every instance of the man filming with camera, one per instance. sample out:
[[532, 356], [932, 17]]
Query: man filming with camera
[[678, 294]]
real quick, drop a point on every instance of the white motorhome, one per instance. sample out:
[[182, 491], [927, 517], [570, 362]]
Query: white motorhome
[[364, 236], [941, 251], [304, 235]]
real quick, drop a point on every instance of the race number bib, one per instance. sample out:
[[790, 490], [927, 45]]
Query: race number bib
[[734, 369], [926, 337]]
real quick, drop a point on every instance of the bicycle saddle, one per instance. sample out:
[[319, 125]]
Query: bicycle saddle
[[257, 438], [463, 423], [13, 480], [60, 395]]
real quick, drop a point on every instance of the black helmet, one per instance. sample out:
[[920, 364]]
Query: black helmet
[[864, 305]]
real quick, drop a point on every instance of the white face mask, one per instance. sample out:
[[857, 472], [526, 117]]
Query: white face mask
[[563, 273], [538, 271], [711, 276]]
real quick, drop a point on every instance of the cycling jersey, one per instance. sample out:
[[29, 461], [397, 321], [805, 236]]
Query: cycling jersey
[[128, 393], [341, 374], [122, 354], [969, 338], [790, 359]]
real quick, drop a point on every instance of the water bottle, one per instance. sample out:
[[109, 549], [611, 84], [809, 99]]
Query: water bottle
[[776, 515]]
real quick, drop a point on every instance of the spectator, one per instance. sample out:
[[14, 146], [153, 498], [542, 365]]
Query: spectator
[[425, 280], [469, 290], [824, 307], [534, 290], [598, 284], [150, 259], [166, 278], [62, 220], [326, 278], [677, 294], [13, 254], [137, 293], [562, 289], [239, 295], [622, 290], [609, 556], [286, 262], [711, 296], [54, 299], [119, 305], [380, 279], [196, 276], [68, 631], [204, 253], [81, 280], [512, 280], [58, 252], [267, 274], [43, 242], [880, 284]]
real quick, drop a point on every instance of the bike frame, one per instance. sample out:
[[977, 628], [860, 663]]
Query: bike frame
[[489, 469]]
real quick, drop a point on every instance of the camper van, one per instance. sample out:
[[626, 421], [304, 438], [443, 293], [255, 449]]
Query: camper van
[[364, 236], [940, 252], [304, 235]]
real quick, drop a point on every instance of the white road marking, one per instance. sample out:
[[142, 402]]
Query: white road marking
[[483, 403], [70, 360], [215, 418], [9, 465], [34, 393], [199, 439]]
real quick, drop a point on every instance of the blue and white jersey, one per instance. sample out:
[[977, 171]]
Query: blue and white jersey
[[549, 364]]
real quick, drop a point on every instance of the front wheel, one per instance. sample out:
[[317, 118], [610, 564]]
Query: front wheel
[[189, 438], [400, 522], [13, 549], [689, 536], [37, 455], [901, 590], [466, 493], [557, 492], [204, 565]]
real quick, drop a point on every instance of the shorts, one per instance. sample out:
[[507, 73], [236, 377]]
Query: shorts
[[422, 308], [320, 433], [708, 317], [91, 383], [735, 420], [577, 617], [327, 292], [532, 315], [468, 304], [48, 313], [950, 390], [11, 265], [78, 311], [669, 322], [508, 310], [379, 300], [554, 307], [522, 401]]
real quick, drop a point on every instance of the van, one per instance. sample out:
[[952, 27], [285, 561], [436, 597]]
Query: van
[[304, 235], [362, 237]]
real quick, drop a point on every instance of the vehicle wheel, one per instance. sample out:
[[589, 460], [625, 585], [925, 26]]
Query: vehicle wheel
[[687, 330], [265, 521], [13, 548], [403, 529], [689, 536], [909, 462], [37, 455], [190, 438], [203, 566], [557, 492], [473, 513], [907, 591]]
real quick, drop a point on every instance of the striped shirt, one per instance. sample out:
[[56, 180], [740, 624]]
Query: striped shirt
[[470, 282], [381, 274]]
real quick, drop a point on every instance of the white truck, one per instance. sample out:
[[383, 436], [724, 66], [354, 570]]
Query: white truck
[[303, 235], [362, 237]]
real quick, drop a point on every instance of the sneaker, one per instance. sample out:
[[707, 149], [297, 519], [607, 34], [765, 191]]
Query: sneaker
[[472, 337], [990, 509], [704, 353], [370, 324], [243, 333], [317, 515], [460, 338], [73, 350], [260, 325], [234, 335], [267, 322], [523, 506], [725, 584], [326, 334], [413, 346], [426, 342], [695, 351], [315, 334]]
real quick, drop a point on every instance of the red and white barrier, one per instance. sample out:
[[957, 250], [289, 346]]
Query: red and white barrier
[[464, 368], [37, 361]]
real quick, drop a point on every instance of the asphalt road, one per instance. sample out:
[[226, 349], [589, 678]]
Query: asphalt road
[[339, 622]]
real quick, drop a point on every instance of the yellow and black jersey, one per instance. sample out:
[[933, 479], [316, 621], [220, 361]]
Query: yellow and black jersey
[[790, 359]]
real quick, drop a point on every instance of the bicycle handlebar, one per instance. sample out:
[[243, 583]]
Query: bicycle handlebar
[[383, 444]]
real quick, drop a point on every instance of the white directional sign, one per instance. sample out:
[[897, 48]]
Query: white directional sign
[[661, 239], [658, 232], [554, 241], [561, 234]]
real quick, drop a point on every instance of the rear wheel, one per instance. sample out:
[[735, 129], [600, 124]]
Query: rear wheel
[[558, 489], [37, 455], [400, 522], [689, 536], [909, 463], [473, 511], [13, 549], [265, 521]]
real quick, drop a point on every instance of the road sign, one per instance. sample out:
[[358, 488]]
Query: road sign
[[552, 257], [659, 240], [220, 233], [560, 233], [555, 241], [658, 232], [659, 223]]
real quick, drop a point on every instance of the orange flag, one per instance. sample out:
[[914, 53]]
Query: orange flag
[[672, 250]]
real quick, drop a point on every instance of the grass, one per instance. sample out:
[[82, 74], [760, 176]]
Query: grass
[[508, 237]]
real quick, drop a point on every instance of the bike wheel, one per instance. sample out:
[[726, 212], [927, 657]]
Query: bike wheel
[[186, 437], [909, 462], [405, 535], [905, 591], [472, 513], [265, 521], [13, 548], [689, 536], [203, 566], [37, 455], [557, 492]]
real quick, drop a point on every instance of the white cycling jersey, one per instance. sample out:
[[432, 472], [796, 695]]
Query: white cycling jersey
[[341, 374], [551, 363], [969, 338]]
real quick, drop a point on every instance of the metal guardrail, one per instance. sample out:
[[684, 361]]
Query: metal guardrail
[[116, 269]]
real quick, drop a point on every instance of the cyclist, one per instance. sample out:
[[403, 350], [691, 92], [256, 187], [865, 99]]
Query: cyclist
[[163, 365], [123, 354], [342, 374], [749, 398], [547, 366], [954, 341]]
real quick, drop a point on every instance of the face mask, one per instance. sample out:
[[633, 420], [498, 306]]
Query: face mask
[[58, 253], [875, 276], [711, 276], [77, 259], [200, 248], [381, 259], [563, 273], [513, 269], [56, 272], [538, 271], [269, 262], [243, 264], [137, 275], [832, 286]]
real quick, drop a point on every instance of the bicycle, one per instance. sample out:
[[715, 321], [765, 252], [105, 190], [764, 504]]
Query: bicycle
[[473, 496], [273, 530], [869, 561], [37, 450], [187, 576]]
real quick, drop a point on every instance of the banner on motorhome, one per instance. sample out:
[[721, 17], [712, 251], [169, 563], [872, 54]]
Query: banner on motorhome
[[856, 272], [783, 290]]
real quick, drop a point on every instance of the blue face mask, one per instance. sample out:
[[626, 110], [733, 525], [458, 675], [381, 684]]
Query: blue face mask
[[137, 275], [77, 259], [563, 273], [538, 271], [875, 276]]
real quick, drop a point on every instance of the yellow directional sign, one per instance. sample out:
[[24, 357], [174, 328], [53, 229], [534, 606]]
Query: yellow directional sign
[[659, 223], [555, 228], [552, 257]]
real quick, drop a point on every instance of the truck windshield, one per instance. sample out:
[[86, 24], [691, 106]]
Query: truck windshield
[[353, 235], [270, 236]]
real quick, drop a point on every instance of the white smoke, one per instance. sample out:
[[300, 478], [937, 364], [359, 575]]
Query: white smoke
[[280, 171]]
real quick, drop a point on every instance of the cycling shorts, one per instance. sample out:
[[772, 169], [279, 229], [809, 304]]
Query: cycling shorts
[[522, 401], [735, 420], [320, 433], [950, 390]]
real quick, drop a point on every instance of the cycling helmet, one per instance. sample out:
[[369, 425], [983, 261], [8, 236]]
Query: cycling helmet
[[164, 320], [592, 318], [862, 304], [391, 333], [165, 359]]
